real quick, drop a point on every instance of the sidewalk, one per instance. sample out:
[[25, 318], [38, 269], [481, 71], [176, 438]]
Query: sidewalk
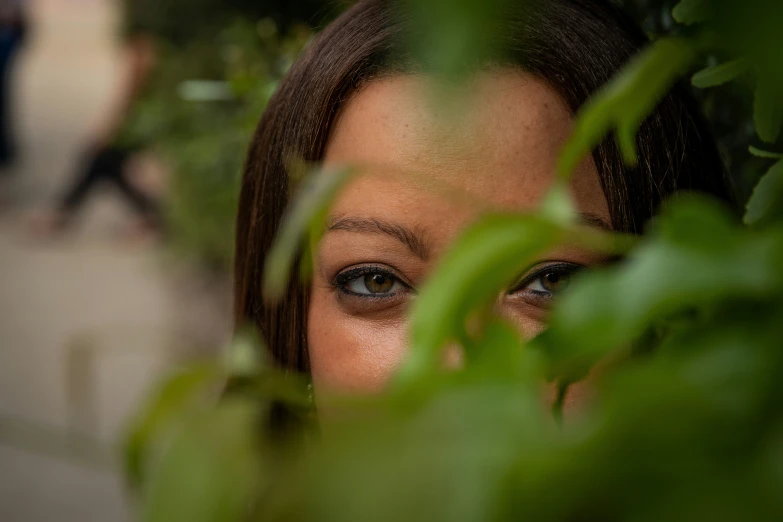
[[85, 323]]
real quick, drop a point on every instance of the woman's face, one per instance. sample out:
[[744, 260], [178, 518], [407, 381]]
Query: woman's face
[[424, 180]]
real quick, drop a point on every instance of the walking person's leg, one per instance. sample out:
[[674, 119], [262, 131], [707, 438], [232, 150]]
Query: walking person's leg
[[10, 38], [144, 205], [109, 165], [90, 171]]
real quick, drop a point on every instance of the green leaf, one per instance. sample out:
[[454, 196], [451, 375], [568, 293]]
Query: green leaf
[[719, 74], [486, 258], [696, 255], [767, 109], [765, 153], [449, 462], [173, 400], [301, 225], [500, 354], [690, 11], [452, 35], [211, 470], [767, 198], [627, 100], [558, 205], [244, 356]]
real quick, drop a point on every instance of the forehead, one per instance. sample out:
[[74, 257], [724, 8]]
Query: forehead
[[498, 148]]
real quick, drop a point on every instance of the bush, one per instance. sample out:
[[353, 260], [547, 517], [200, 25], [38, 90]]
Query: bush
[[686, 426], [199, 116]]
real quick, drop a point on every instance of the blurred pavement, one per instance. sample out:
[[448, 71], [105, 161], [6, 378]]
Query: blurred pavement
[[85, 321]]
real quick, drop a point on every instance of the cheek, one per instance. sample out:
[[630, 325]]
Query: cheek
[[528, 324], [351, 353]]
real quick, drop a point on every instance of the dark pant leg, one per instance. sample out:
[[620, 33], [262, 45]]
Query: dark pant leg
[[10, 38], [89, 173], [142, 204], [109, 165]]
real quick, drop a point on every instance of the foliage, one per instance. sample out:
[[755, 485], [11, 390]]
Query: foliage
[[219, 63], [314, 199], [625, 104], [199, 115], [686, 421], [729, 106]]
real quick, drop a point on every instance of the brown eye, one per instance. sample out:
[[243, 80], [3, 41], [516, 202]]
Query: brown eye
[[370, 282], [378, 283], [549, 280], [555, 281]]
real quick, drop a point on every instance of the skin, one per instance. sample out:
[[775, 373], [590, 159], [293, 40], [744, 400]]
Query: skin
[[424, 179]]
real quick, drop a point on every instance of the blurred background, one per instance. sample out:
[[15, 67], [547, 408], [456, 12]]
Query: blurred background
[[123, 127]]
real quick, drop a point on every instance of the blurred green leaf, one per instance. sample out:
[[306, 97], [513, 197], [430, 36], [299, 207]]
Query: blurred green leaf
[[765, 153], [695, 256], [719, 74], [767, 109], [303, 220], [501, 351], [245, 355], [627, 100], [173, 400], [767, 197], [474, 431], [690, 11], [451, 36], [210, 470], [486, 258], [558, 204]]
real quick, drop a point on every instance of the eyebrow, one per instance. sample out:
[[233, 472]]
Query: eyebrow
[[415, 241], [594, 220]]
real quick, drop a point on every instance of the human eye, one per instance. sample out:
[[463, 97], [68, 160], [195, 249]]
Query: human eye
[[546, 281], [370, 282]]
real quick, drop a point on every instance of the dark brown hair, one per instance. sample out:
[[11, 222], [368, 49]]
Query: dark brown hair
[[575, 46]]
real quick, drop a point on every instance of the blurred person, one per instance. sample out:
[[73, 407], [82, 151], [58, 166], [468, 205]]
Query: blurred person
[[356, 97], [106, 156], [148, 25], [13, 29]]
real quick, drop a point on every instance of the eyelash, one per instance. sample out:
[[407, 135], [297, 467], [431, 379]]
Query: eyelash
[[345, 278], [561, 268]]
